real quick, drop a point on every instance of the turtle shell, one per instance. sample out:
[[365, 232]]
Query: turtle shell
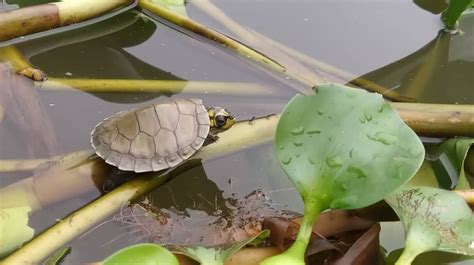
[[153, 137]]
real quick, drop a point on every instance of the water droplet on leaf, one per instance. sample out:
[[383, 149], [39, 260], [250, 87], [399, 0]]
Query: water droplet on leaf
[[313, 131], [383, 137], [298, 143], [297, 130], [368, 116], [333, 161], [358, 171], [286, 161]]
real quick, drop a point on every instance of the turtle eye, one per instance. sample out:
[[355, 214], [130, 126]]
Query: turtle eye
[[220, 120]]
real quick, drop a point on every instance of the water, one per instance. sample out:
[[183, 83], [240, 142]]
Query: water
[[360, 37]]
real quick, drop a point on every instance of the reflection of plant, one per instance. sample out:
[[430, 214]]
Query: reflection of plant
[[335, 144]]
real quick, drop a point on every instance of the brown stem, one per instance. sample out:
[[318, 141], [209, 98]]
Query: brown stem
[[467, 195], [37, 18], [440, 120]]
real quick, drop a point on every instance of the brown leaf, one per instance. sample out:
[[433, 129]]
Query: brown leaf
[[363, 251], [338, 236]]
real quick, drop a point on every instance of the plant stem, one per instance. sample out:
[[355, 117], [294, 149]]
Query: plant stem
[[37, 18], [467, 195], [312, 208], [407, 257], [153, 86], [455, 8], [442, 120]]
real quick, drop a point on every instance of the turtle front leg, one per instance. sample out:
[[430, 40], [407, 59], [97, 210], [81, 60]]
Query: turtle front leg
[[211, 138]]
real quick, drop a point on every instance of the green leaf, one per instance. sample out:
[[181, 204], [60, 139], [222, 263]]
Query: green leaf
[[434, 219], [14, 229], [342, 148], [218, 255], [447, 160], [455, 8], [146, 254]]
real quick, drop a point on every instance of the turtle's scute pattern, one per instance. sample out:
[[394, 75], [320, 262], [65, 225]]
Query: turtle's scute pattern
[[153, 137]]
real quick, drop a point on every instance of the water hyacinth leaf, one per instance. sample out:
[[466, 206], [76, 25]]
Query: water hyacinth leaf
[[455, 8], [334, 146], [218, 255], [14, 229], [434, 219], [447, 161], [339, 141], [147, 254]]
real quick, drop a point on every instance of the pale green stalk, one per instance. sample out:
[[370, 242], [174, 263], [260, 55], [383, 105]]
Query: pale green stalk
[[154, 86], [295, 255]]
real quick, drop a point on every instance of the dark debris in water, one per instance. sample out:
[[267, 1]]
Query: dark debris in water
[[243, 219]]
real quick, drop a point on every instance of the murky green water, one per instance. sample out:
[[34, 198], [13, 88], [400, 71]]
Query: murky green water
[[378, 39]]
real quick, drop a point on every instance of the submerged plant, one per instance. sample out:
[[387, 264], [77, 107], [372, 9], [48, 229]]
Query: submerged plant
[[342, 148], [155, 254], [142, 254]]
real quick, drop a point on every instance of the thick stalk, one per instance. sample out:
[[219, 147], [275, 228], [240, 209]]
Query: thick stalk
[[153, 86], [37, 18], [467, 195], [441, 120], [213, 35], [312, 210], [20, 64], [407, 257], [425, 119], [243, 134], [295, 255]]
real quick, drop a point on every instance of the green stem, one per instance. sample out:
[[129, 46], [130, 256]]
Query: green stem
[[407, 257], [296, 253], [312, 209]]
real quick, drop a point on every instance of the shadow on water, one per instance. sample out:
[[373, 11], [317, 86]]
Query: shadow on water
[[439, 72]]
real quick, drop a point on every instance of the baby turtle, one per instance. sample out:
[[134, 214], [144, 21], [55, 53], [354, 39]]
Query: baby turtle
[[158, 136]]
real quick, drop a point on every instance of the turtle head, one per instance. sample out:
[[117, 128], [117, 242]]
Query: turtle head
[[220, 120]]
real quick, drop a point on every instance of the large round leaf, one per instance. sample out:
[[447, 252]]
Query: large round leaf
[[147, 254], [345, 147]]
